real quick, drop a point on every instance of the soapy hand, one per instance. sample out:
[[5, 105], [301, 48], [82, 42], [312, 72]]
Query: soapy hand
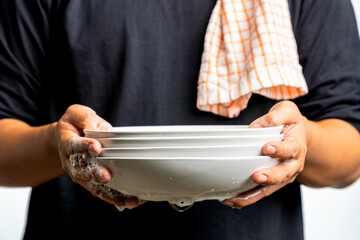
[[71, 140], [291, 152]]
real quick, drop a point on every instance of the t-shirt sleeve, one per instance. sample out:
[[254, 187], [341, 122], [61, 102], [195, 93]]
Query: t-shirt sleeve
[[24, 37], [329, 51]]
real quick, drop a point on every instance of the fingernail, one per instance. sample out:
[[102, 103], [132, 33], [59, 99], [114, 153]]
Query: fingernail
[[270, 150], [99, 175], [95, 149], [263, 178], [228, 203]]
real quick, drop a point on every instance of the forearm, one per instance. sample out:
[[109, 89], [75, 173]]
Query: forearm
[[333, 156], [28, 155]]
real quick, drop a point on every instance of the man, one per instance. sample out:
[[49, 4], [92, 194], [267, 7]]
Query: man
[[136, 63]]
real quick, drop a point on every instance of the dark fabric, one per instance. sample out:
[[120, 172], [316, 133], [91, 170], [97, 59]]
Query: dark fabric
[[135, 62], [328, 46]]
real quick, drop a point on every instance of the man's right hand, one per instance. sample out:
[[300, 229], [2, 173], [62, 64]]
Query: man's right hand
[[71, 140]]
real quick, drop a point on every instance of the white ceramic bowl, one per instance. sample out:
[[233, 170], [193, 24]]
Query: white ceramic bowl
[[188, 141], [183, 130], [202, 151], [183, 181]]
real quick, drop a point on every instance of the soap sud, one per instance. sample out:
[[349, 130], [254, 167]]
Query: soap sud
[[86, 171], [180, 204], [76, 144]]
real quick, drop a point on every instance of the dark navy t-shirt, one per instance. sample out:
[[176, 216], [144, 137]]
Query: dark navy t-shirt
[[136, 62]]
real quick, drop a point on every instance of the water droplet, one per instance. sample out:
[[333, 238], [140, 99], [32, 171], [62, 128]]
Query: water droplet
[[180, 209], [170, 178]]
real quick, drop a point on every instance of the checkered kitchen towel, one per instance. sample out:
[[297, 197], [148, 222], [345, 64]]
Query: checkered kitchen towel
[[249, 48]]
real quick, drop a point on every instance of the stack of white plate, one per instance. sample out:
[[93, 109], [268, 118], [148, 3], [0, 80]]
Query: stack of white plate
[[184, 164]]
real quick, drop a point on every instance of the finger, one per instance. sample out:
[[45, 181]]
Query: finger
[[71, 143], [80, 175], [85, 118], [86, 171], [104, 193], [70, 129], [282, 113], [270, 119], [76, 144], [278, 174], [101, 174], [287, 149], [116, 198], [100, 192], [252, 196], [111, 196]]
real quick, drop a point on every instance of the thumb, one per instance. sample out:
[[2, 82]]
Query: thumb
[[282, 113]]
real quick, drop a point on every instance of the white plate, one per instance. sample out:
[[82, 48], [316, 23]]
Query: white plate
[[183, 181], [183, 130], [188, 141], [202, 151]]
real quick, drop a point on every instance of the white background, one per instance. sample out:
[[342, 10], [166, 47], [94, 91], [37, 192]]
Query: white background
[[330, 214]]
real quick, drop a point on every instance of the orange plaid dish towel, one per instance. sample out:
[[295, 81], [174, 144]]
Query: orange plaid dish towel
[[249, 48]]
